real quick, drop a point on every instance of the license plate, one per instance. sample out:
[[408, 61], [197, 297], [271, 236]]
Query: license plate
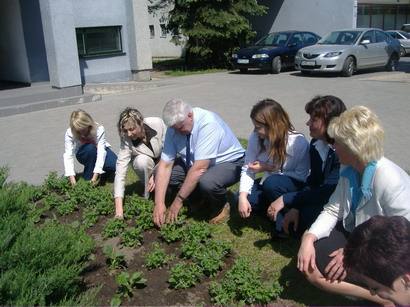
[[308, 63], [243, 61]]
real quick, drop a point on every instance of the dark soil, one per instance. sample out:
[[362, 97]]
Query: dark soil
[[157, 292]]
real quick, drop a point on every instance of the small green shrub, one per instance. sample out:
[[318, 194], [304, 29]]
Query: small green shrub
[[197, 231], [42, 265], [51, 201], [190, 248], [157, 257], [90, 216], [172, 232], [184, 275], [66, 207], [56, 184], [132, 237], [242, 284], [140, 209], [4, 173], [113, 228]]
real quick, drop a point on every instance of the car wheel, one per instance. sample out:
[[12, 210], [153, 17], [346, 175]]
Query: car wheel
[[392, 63], [243, 70], [402, 52], [348, 67], [276, 65]]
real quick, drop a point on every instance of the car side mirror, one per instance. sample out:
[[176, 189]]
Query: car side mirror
[[365, 42]]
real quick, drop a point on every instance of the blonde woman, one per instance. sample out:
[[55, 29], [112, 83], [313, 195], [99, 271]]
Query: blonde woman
[[142, 140], [369, 185], [85, 139], [276, 150]]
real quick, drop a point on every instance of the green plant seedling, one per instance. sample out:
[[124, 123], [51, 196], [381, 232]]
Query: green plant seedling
[[184, 275], [157, 257], [90, 217], [132, 237], [114, 260], [172, 232], [126, 283], [66, 207], [242, 284], [113, 228], [56, 184], [197, 231]]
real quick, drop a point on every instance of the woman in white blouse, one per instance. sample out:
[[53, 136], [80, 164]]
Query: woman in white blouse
[[142, 140], [276, 150], [85, 139], [369, 185]]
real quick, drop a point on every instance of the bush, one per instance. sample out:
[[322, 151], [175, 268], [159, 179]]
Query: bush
[[40, 265], [242, 284]]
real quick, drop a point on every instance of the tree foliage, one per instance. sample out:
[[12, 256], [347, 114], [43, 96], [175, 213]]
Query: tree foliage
[[212, 28]]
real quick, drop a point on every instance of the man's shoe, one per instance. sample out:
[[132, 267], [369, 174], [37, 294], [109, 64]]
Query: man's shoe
[[222, 215]]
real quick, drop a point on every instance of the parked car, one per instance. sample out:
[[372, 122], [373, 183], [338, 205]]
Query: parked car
[[347, 51], [273, 51], [404, 39], [405, 27]]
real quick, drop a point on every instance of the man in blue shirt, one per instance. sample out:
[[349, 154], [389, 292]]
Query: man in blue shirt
[[200, 154]]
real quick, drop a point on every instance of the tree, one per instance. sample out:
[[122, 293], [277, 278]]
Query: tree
[[212, 29]]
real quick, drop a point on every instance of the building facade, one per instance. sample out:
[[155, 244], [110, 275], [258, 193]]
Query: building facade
[[72, 42]]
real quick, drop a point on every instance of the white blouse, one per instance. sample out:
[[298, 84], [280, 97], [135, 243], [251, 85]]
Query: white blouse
[[71, 148], [297, 163]]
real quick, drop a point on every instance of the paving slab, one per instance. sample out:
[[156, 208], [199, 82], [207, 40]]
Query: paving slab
[[32, 144]]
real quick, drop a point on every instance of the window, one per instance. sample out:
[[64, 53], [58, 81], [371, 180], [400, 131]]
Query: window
[[151, 31], [369, 35], [296, 39], [98, 41], [163, 30], [309, 39], [381, 37]]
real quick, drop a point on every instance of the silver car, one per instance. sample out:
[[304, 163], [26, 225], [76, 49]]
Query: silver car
[[404, 39], [347, 51]]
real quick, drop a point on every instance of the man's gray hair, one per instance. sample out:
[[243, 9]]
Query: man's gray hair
[[175, 111]]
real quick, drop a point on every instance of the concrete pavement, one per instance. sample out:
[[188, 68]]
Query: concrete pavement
[[32, 144]]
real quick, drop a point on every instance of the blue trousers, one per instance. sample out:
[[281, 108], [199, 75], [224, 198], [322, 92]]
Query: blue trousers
[[262, 195], [87, 156]]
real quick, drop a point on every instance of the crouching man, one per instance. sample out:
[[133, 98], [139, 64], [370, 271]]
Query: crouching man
[[200, 159]]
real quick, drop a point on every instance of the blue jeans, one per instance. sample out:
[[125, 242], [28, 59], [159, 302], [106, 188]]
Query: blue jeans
[[262, 195], [87, 156]]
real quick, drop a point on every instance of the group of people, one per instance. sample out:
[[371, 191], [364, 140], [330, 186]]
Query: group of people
[[338, 193]]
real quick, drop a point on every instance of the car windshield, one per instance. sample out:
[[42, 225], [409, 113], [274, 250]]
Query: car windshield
[[405, 34], [273, 39], [340, 38]]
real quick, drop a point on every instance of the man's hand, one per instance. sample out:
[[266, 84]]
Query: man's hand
[[72, 180], [335, 269], [159, 214], [151, 184], [173, 211], [244, 206], [275, 207], [292, 217]]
